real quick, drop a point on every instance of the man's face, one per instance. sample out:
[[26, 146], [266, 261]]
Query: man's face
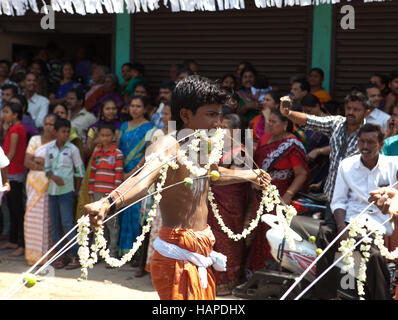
[[31, 82], [165, 95], [4, 70], [72, 102], [394, 86], [355, 112], [375, 97], [296, 92], [207, 117], [62, 134], [369, 146], [6, 95], [315, 79]]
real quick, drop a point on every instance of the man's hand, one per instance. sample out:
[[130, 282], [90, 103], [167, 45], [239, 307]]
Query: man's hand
[[386, 199], [97, 212], [313, 154], [263, 179], [285, 105]]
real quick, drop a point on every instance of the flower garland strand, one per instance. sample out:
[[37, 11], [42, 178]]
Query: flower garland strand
[[361, 227], [100, 241]]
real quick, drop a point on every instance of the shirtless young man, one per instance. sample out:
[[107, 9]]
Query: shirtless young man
[[196, 104]]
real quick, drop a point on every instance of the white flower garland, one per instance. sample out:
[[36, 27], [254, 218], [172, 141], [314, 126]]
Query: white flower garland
[[100, 241], [362, 227]]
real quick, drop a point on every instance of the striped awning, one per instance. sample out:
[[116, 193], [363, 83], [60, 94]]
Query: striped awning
[[20, 7]]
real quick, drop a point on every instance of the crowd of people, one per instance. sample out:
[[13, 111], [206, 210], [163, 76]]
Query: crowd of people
[[71, 133]]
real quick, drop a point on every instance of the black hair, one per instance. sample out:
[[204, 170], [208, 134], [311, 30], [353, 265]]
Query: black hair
[[22, 99], [12, 87], [372, 127], [60, 123], [167, 85], [61, 104], [304, 84], [290, 126], [107, 125], [320, 72], [384, 79], [359, 96], [15, 108], [228, 75], [246, 64], [28, 73], [276, 95], [185, 70], [53, 115], [143, 84], [371, 85], [78, 92], [139, 67], [194, 92], [309, 100]]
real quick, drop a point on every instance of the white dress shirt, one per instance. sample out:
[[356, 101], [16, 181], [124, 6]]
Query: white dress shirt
[[38, 109], [354, 182], [379, 117]]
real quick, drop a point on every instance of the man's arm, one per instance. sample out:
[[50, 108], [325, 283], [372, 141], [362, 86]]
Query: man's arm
[[135, 187], [231, 176]]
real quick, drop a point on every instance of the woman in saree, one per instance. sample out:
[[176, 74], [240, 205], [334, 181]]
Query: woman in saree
[[281, 153], [260, 123], [134, 136], [37, 220], [108, 114], [249, 106], [232, 201], [315, 79]]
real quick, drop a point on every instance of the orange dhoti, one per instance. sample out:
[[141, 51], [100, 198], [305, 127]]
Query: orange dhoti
[[178, 279]]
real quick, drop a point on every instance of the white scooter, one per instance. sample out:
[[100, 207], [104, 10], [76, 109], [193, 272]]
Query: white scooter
[[292, 262]]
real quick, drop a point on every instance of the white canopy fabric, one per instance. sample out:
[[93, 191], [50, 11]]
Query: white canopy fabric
[[19, 7]]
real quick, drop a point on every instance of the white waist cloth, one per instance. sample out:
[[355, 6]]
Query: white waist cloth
[[216, 259]]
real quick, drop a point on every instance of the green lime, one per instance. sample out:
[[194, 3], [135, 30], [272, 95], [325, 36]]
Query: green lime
[[312, 239], [188, 182], [214, 175], [318, 251], [30, 280]]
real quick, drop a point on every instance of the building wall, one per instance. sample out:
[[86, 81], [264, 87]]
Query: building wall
[[276, 41]]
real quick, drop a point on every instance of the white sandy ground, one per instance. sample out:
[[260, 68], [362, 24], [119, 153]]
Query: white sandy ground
[[102, 283]]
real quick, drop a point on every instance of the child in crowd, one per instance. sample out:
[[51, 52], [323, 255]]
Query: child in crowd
[[14, 148], [62, 164], [105, 176]]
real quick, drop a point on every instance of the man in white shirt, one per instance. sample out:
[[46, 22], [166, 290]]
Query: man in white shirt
[[376, 116], [356, 177], [37, 104], [80, 118]]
